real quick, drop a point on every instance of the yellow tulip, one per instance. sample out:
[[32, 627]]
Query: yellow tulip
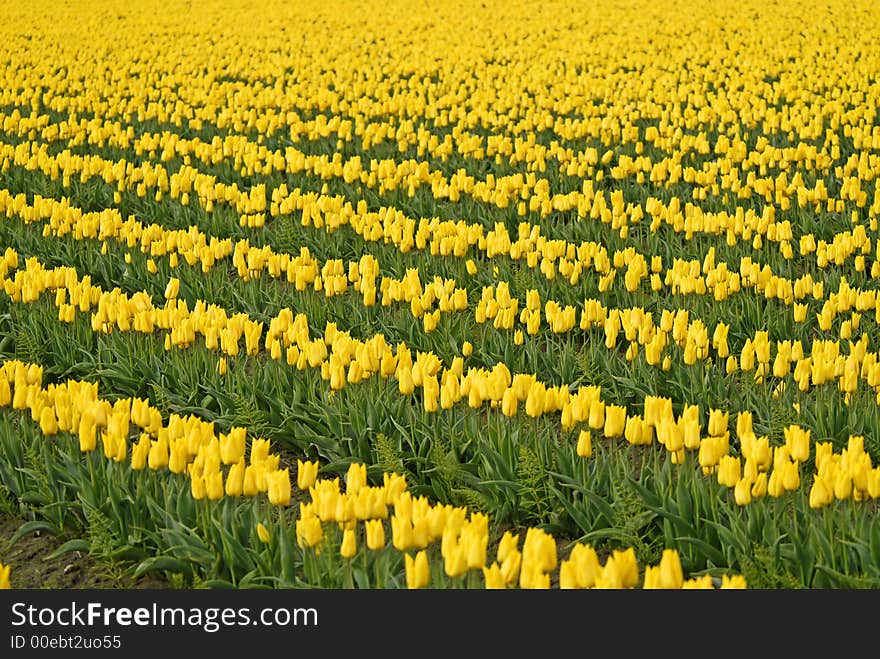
[[580, 569], [48, 421], [494, 577], [729, 470], [820, 493], [309, 531], [172, 288], [140, 452], [356, 477], [4, 577], [375, 531], [88, 437], [742, 492], [418, 572], [670, 571], [585, 444], [234, 486], [732, 582], [232, 445], [159, 453], [197, 486], [306, 474], [348, 548], [401, 532], [278, 483], [615, 420]]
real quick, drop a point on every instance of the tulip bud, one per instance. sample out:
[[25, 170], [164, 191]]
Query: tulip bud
[[585, 444], [197, 486], [278, 487], [494, 577], [306, 474], [742, 492], [348, 548], [48, 420], [309, 531], [671, 575], [418, 573], [401, 533], [615, 420], [375, 531], [732, 581], [140, 452], [355, 478]]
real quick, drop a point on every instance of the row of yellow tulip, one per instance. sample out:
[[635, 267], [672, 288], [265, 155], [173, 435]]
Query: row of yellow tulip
[[824, 363], [496, 302], [149, 178], [191, 447], [344, 360], [610, 102], [726, 172], [250, 261]]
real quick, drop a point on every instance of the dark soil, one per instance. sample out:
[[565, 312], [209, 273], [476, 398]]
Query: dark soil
[[31, 567]]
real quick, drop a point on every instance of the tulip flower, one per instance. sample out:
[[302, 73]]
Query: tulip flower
[[597, 414], [278, 489], [615, 420], [401, 532], [172, 288], [510, 567], [198, 488], [263, 533], [4, 577], [232, 445], [729, 470], [843, 485], [259, 450], [356, 477], [698, 583], [159, 452], [249, 487], [874, 483], [306, 474], [348, 548], [820, 493], [494, 577], [88, 437], [140, 452], [671, 575], [309, 531], [507, 545], [732, 581], [418, 572], [375, 532], [742, 492], [797, 440], [580, 569], [48, 421], [585, 444]]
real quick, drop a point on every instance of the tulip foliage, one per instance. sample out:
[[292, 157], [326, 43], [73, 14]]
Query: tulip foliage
[[450, 296]]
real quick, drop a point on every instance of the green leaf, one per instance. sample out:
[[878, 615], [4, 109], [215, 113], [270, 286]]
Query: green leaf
[[77, 544], [160, 564], [710, 552], [222, 584], [31, 527], [34, 498]]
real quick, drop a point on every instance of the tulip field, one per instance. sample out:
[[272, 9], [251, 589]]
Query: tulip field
[[533, 294]]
